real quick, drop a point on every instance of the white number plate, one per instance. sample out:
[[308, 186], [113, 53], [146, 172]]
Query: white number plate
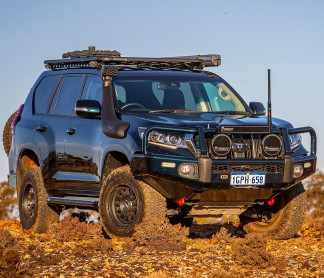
[[243, 178]]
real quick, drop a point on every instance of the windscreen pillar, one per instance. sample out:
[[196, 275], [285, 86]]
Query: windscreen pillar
[[112, 125]]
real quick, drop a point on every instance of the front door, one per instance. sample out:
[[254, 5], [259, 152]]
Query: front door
[[82, 145]]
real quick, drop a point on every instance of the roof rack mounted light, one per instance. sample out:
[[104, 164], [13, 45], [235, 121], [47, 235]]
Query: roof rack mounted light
[[99, 58]]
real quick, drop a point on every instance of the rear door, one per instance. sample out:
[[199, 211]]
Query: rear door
[[54, 124], [82, 145], [42, 138]]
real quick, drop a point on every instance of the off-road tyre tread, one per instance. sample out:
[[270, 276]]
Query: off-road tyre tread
[[154, 203], [6, 135], [293, 214], [45, 215]]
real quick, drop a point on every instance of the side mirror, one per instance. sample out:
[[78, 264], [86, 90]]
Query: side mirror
[[257, 108], [87, 108]]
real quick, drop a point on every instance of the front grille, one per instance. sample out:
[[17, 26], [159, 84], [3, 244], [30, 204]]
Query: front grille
[[221, 168]]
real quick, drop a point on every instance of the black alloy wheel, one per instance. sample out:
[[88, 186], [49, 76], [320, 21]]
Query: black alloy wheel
[[35, 214], [29, 204], [125, 202], [124, 205]]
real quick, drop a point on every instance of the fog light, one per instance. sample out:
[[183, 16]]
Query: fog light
[[185, 169], [188, 170], [298, 171], [307, 164]]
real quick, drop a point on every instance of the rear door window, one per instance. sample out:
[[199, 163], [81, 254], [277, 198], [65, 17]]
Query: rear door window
[[65, 102], [44, 92]]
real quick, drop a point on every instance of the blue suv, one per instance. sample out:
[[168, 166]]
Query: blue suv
[[137, 138]]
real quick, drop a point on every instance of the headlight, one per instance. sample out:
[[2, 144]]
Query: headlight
[[168, 140], [295, 140]]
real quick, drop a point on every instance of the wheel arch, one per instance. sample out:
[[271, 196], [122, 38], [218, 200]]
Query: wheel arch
[[116, 155], [26, 159]]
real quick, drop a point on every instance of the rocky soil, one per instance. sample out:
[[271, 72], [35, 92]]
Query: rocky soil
[[77, 249]]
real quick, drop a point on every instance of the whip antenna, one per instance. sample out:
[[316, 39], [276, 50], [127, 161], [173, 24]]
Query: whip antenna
[[269, 100]]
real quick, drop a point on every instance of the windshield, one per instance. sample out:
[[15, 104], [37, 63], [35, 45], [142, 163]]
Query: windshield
[[175, 93]]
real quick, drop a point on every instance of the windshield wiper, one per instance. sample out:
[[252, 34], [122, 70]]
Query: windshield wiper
[[174, 111], [228, 112]]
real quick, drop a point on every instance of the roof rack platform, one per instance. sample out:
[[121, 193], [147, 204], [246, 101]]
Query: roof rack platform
[[97, 58]]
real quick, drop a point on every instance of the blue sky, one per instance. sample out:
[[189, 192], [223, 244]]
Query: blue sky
[[251, 36]]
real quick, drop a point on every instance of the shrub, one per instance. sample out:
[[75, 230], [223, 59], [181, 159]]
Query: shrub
[[223, 237], [315, 190], [70, 228], [9, 262], [6, 239], [161, 235], [9, 256], [100, 244], [311, 225], [252, 251], [318, 215], [7, 200]]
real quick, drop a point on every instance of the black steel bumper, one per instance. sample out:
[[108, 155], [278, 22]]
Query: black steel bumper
[[215, 186], [162, 171], [216, 173]]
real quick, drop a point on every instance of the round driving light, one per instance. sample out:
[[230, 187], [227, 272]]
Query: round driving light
[[298, 171], [184, 169], [271, 145], [188, 170], [221, 144]]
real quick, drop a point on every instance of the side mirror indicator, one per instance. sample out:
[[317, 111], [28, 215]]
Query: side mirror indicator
[[87, 108], [257, 108]]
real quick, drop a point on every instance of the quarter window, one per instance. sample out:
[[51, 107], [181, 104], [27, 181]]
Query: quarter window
[[67, 96], [44, 92]]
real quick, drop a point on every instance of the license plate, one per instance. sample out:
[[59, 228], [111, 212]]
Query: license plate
[[243, 178]]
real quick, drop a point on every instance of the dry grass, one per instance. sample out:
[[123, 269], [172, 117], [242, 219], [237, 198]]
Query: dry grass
[[222, 273], [158, 274]]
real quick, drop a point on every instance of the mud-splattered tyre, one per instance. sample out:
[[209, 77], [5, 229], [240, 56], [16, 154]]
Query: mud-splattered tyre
[[124, 202], [288, 215], [35, 214], [6, 135]]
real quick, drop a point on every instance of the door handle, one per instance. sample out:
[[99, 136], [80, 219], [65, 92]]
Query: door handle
[[71, 130], [41, 128]]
